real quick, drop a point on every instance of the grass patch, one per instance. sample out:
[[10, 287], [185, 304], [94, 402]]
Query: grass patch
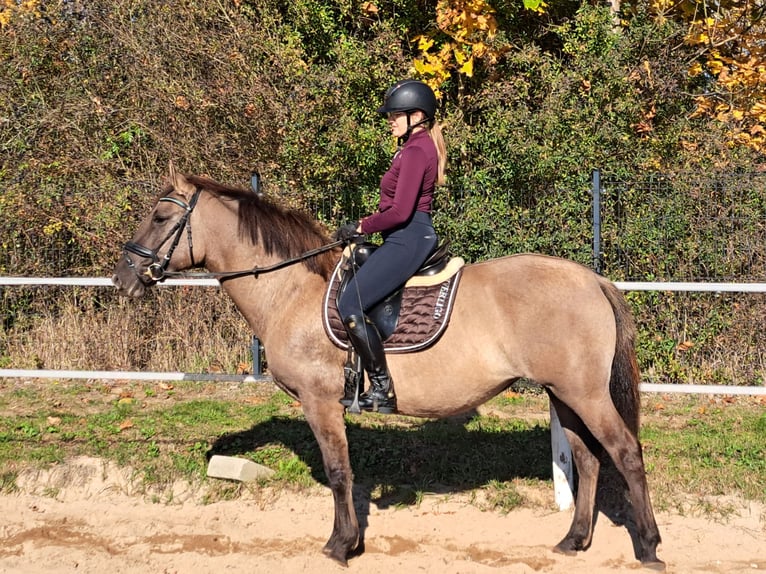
[[708, 447], [695, 448]]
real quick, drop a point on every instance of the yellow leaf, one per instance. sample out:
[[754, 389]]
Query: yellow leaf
[[695, 70], [647, 69], [467, 68], [759, 110], [715, 66], [480, 50], [420, 66], [425, 43]]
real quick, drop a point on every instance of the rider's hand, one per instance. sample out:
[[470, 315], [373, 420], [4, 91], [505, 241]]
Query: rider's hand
[[347, 232]]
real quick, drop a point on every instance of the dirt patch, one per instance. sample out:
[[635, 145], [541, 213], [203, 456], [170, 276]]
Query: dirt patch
[[85, 517]]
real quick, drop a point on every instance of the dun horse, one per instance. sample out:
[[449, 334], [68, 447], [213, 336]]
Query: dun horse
[[543, 318]]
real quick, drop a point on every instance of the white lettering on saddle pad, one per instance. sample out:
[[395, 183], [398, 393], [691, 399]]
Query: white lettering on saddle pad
[[441, 301]]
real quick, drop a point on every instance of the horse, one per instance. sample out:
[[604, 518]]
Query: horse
[[543, 318]]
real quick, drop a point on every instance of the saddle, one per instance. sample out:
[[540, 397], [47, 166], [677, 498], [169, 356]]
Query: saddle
[[409, 319]]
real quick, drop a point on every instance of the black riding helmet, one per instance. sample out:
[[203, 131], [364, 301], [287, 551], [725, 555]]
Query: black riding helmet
[[408, 96]]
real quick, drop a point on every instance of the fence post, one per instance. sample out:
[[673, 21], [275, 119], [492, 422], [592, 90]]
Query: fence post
[[563, 471], [596, 220], [257, 352]]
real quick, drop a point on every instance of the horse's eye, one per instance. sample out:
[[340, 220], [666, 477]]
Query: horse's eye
[[159, 219]]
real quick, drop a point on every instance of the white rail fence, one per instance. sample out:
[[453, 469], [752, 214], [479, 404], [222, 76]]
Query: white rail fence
[[563, 471]]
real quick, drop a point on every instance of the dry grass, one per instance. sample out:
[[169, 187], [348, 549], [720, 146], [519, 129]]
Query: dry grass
[[684, 338], [172, 329]]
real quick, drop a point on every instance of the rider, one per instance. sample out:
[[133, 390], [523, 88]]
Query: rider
[[404, 220]]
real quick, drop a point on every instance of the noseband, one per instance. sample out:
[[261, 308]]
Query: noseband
[[156, 270]]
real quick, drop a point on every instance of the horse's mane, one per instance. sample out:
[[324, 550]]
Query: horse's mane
[[281, 231]]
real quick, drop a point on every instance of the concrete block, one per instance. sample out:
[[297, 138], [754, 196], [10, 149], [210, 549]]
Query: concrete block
[[234, 468]]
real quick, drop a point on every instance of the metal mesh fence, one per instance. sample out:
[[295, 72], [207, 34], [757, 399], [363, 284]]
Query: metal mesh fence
[[481, 224], [685, 227], [653, 228], [675, 227]]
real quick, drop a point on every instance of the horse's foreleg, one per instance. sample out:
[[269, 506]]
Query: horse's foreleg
[[326, 421], [585, 453]]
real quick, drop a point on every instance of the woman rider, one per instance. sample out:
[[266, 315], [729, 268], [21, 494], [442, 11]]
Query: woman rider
[[404, 220]]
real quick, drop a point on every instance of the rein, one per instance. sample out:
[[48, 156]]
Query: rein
[[256, 271], [158, 272]]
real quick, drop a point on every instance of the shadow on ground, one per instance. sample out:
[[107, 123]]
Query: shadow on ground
[[393, 465]]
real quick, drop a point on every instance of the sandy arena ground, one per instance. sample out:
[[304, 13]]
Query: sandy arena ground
[[85, 519]]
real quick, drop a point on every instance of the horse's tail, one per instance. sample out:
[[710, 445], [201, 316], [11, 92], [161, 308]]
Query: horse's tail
[[623, 385]]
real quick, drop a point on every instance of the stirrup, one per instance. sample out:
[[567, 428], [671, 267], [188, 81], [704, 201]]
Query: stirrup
[[353, 386], [385, 406], [377, 401]]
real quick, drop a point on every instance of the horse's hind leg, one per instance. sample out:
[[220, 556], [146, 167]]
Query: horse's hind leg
[[585, 451], [609, 429], [326, 421], [625, 451]]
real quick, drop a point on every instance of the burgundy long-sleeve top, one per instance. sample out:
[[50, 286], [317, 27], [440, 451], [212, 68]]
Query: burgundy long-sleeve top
[[407, 186]]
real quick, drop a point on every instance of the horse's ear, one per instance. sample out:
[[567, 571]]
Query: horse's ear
[[179, 182]]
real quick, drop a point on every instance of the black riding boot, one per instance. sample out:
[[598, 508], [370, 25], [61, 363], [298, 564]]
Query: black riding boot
[[365, 338]]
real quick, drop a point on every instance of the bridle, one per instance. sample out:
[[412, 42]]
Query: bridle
[[157, 270]]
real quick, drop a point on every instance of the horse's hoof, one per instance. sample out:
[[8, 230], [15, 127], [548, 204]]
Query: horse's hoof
[[566, 548], [334, 555], [655, 564]]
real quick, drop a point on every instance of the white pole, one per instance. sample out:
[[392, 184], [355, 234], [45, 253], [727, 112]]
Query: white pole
[[563, 471], [695, 287], [202, 282], [128, 375], [100, 281], [702, 389]]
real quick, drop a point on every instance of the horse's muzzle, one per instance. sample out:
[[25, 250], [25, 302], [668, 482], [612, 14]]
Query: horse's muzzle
[[134, 287]]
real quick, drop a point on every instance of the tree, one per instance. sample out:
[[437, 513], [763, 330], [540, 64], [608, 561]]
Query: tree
[[729, 64], [465, 35]]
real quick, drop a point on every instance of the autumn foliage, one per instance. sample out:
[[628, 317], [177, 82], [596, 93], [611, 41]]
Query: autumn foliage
[[97, 96], [731, 66], [464, 36]]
